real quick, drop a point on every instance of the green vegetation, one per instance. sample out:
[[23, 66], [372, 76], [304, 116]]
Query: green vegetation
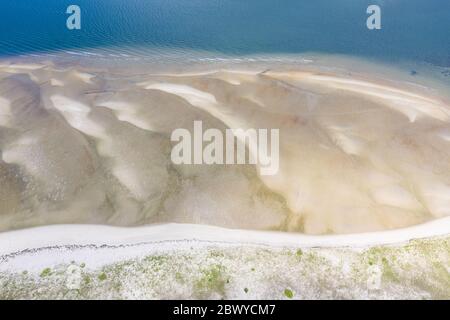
[[46, 272], [211, 280], [419, 269], [288, 293]]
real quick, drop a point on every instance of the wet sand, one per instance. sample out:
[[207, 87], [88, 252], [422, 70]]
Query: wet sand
[[358, 153]]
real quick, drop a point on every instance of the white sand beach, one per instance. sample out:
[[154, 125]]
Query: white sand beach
[[203, 262], [96, 235]]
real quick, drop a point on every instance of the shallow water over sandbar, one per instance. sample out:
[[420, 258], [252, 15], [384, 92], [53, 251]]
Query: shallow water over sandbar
[[86, 144]]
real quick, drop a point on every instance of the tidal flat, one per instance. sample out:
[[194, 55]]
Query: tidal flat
[[92, 206], [91, 145]]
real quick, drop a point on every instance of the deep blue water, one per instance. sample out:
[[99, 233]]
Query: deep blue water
[[417, 30]]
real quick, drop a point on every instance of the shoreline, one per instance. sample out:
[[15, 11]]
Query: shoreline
[[99, 235]]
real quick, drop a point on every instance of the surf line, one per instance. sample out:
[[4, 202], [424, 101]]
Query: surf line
[[229, 150]]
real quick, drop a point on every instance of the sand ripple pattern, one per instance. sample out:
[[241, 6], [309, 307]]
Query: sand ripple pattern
[[90, 146]]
